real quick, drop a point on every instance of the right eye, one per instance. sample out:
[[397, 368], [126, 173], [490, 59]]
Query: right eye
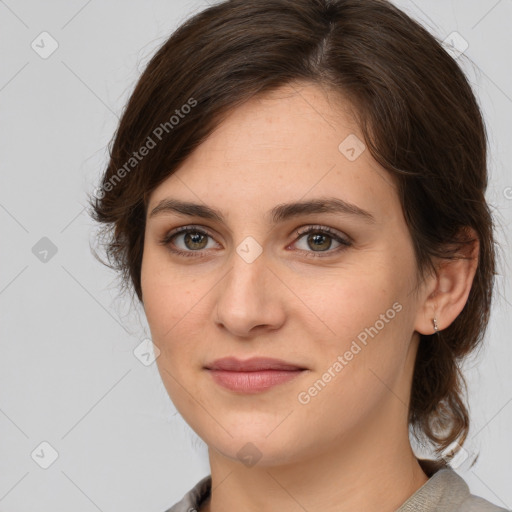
[[193, 241]]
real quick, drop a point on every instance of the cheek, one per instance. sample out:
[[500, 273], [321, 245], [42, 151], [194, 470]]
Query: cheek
[[164, 299], [175, 305], [365, 314], [348, 300], [357, 365], [171, 303]]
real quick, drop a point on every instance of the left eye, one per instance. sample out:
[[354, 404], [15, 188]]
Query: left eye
[[320, 240]]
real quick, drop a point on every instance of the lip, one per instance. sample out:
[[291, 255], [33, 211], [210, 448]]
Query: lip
[[254, 364], [252, 375]]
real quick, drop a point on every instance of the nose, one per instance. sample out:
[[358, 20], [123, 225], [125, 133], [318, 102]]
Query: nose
[[248, 299]]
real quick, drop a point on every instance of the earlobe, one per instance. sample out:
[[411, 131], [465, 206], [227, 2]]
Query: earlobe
[[451, 285]]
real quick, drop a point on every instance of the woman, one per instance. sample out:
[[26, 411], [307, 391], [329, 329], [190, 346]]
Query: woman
[[296, 195]]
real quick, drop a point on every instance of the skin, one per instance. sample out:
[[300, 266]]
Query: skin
[[348, 447]]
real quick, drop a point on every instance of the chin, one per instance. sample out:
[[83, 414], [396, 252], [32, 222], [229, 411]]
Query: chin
[[250, 451], [251, 442]]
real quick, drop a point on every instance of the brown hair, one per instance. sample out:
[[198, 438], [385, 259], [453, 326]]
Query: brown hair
[[415, 108]]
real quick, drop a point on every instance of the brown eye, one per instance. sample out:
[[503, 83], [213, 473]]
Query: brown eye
[[195, 240], [319, 239], [188, 241]]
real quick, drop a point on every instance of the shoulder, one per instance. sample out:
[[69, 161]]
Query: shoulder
[[193, 498], [446, 491], [467, 502], [476, 504]]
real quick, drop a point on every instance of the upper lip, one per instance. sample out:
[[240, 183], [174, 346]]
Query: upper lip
[[251, 365]]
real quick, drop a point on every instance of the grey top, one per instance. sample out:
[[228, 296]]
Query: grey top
[[445, 491]]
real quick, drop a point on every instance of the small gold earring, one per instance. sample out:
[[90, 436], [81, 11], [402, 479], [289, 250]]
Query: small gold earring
[[434, 321]]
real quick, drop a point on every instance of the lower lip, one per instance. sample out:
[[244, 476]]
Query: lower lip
[[252, 382]]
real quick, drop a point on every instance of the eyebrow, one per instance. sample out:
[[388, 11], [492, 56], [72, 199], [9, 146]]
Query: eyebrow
[[277, 214]]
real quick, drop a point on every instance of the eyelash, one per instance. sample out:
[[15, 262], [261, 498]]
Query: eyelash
[[324, 230]]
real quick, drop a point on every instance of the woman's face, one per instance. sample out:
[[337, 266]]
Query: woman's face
[[338, 307]]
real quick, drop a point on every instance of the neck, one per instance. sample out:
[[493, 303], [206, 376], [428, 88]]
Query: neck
[[373, 469]]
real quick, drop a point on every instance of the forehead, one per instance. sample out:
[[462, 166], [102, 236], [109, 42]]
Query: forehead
[[299, 119], [297, 141]]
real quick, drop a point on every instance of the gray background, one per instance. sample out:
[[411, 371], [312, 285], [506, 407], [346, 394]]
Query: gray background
[[68, 374]]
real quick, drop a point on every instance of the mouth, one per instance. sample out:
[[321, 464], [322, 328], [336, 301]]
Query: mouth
[[253, 375]]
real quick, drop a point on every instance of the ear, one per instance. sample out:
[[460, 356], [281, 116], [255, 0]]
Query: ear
[[447, 291]]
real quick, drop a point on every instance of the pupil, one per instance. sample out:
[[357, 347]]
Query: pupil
[[317, 241], [195, 238]]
